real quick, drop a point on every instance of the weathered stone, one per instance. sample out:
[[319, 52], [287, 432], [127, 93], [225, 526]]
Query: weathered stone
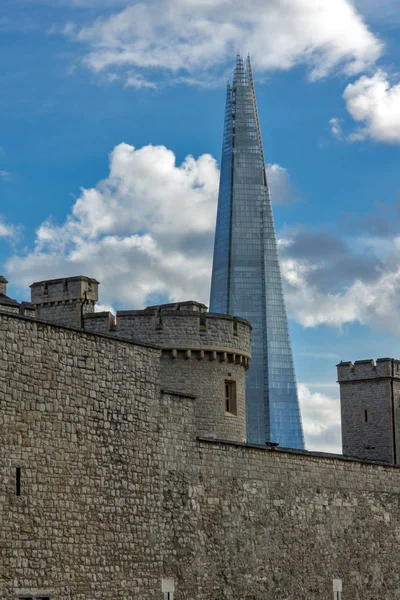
[[124, 492]]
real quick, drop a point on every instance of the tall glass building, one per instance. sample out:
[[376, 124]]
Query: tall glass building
[[246, 278]]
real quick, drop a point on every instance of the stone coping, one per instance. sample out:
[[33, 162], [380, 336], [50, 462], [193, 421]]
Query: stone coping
[[107, 336], [305, 453], [6, 301], [183, 313], [61, 279]]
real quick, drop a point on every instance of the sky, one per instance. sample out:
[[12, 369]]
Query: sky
[[111, 118]]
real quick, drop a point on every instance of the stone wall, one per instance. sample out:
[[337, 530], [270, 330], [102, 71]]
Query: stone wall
[[200, 352], [256, 523], [205, 380], [65, 300], [99, 322], [78, 416], [186, 329], [117, 492]]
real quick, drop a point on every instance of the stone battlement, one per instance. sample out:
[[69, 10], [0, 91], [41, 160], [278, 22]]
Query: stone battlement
[[202, 355], [188, 328], [64, 289], [368, 369]]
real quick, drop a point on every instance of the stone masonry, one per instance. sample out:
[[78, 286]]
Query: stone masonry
[[66, 300], [370, 407], [111, 490], [200, 352]]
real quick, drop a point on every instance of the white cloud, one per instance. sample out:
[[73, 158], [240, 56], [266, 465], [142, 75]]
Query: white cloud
[[7, 230], [328, 284], [281, 187], [321, 419], [146, 233], [146, 229], [375, 102], [136, 80], [336, 127], [193, 38]]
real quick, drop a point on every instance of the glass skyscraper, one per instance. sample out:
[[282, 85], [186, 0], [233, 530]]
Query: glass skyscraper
[[246, 278]]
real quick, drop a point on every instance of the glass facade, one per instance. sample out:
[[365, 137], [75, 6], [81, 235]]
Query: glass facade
[[246, 279]]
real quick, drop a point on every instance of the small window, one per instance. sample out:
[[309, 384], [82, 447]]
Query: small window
[[230, 397], [34, 598], [365, 416], [18, 481]]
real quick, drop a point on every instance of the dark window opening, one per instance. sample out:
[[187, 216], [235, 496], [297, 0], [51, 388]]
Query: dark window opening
[[365, 416], [18, 481], [34, 598], [230, 397]]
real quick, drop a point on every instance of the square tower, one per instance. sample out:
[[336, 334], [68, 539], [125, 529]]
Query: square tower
[[370, 409], [66, 300]]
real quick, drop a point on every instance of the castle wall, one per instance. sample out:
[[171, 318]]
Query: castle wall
[[185, 329], [78, 417], [205, 379], [253, 523], [117, 491], [200, 352]]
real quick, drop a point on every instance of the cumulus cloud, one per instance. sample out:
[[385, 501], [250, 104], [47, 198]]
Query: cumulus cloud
[[330, 282], [7, 230], [171, 38], [144, 231], [321, 419], [281, 187], [375, 102]]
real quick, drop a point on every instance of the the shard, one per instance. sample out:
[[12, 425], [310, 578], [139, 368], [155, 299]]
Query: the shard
[[246, 278]]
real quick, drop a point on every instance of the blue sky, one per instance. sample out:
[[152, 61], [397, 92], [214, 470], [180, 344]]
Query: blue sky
[[101, 105]]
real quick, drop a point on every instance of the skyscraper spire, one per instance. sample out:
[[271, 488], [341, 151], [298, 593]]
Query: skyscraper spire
[[246, 278]]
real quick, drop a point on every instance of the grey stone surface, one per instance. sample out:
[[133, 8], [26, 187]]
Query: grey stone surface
[[78, 418], [123, 490], [370, 409], [64, 300]]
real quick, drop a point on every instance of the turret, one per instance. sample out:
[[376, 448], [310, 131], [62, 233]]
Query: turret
[[65, 301], [204, 355]]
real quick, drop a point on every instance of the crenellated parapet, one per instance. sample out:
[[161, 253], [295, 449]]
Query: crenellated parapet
[[203, 356], [65, 300], [368, 369], [185, 328]]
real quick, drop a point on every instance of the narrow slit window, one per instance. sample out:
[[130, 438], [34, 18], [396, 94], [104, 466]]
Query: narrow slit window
[[34, 598], [365, 416], [230, 397], [18, 481]]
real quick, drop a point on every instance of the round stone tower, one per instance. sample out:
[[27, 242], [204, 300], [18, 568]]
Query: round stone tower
[[204, 355]]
